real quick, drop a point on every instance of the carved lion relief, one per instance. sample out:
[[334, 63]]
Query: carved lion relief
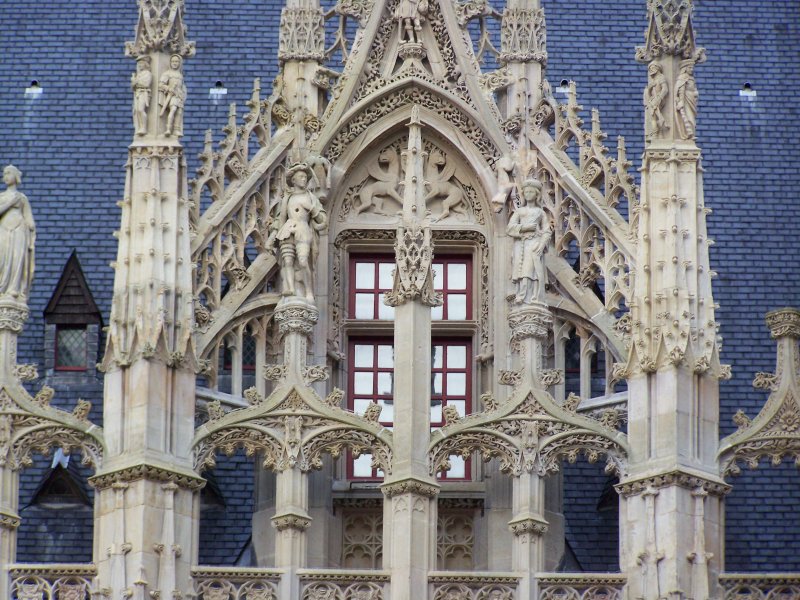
[[374, 190]]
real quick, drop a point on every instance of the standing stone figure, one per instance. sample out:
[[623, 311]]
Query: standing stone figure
[[410, 14], [141, 82], [531, 232], [686, 96], [300, 218], [172, 96], [654, 96], [17, 237]]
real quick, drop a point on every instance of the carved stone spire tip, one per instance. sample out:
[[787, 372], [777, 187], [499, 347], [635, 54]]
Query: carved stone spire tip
[[784, 322]]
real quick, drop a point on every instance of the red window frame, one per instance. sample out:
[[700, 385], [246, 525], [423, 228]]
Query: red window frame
[[444, 397], [76, 368], [441, 286]]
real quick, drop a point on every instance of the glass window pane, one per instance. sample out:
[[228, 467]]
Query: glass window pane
[[461, 406], [456, 276], [363, 354], [437, 313], [385, 384], [387, 414], [437, 356], [362, 466], [362, 383], [456, 307], [436, 411], [385, 271], [458, 468], [456, 384], [385, 356], [365, 276], [365, 306], [71, 347], [385, 312], [436, 387], [456, 357], [438, 276], [360, 405]]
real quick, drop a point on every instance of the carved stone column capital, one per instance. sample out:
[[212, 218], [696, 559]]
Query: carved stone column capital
[[9, 521], [528, 525], [784, 322], [410, 486], [297, 317], [291, 521], [13, 315], [530, 321]]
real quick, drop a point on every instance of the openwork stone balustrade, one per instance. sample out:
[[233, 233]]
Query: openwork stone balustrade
[[327, 584], [758, 586], [453, 585], [51, 582], [236, 583], [573, 586]]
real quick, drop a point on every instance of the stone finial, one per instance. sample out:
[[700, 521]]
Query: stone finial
[[784, 322], [160, 29]]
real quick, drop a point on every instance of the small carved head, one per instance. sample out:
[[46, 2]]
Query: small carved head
[[143, 63], [176, 62], [687, 66], [12, 175], [299, 175], [531, 190], [655, 69]]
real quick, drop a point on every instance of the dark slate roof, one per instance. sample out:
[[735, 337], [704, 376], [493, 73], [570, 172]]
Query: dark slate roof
[[71, 145]]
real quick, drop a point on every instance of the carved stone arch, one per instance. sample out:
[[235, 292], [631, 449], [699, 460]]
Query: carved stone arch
[[391, 109]]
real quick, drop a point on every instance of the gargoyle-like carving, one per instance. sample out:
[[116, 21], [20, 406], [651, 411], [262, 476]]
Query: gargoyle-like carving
[[26, 372]]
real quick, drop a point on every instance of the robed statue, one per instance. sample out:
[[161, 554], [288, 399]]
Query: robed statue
[[530, 229], [17, 237]]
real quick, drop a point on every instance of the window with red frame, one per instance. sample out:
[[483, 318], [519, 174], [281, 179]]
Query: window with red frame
[[371, 277], [70, 348], [371, 380]]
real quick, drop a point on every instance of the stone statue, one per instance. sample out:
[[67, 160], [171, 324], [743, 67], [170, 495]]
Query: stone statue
[[505, 181], [17, 237], [172, 96], [531, 232], [410, 14], [300, 218], [654, 96], [141, 82], [686, 96]]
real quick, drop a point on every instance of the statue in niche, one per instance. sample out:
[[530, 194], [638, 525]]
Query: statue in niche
[[17, 238], [439, 181], [655, 94], [531, 232], [141, 82], [410, 15], [300, 219], [172, 96], [386, 173], [686, 96]]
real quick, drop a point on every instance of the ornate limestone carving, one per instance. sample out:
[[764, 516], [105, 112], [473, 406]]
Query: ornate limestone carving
[[160, 29], [221, 584], [141, 84], [172, 96], [26, 372], [529, 433], [300, 219], [302, 34], [17, 239], [655, 96], [775, 432], [413, 277], [439, 173], [27, 426], [523, 36], [385, 171], [531, 232], [670, 31], [334, 590], [293, 428], [476, 587], [686, 96]]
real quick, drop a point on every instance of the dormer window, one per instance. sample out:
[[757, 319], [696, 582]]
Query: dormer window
[[72, 324]]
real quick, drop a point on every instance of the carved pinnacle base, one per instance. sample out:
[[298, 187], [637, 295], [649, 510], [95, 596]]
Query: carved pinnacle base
[[411, 51], [530, 321]]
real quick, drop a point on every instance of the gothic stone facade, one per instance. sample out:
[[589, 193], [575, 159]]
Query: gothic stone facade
[[410, 290]]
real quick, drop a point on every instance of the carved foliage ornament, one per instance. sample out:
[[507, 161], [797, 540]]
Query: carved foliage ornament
[[523, 36], [413, 277], [669, 32], [160, 29], [302, 34]]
